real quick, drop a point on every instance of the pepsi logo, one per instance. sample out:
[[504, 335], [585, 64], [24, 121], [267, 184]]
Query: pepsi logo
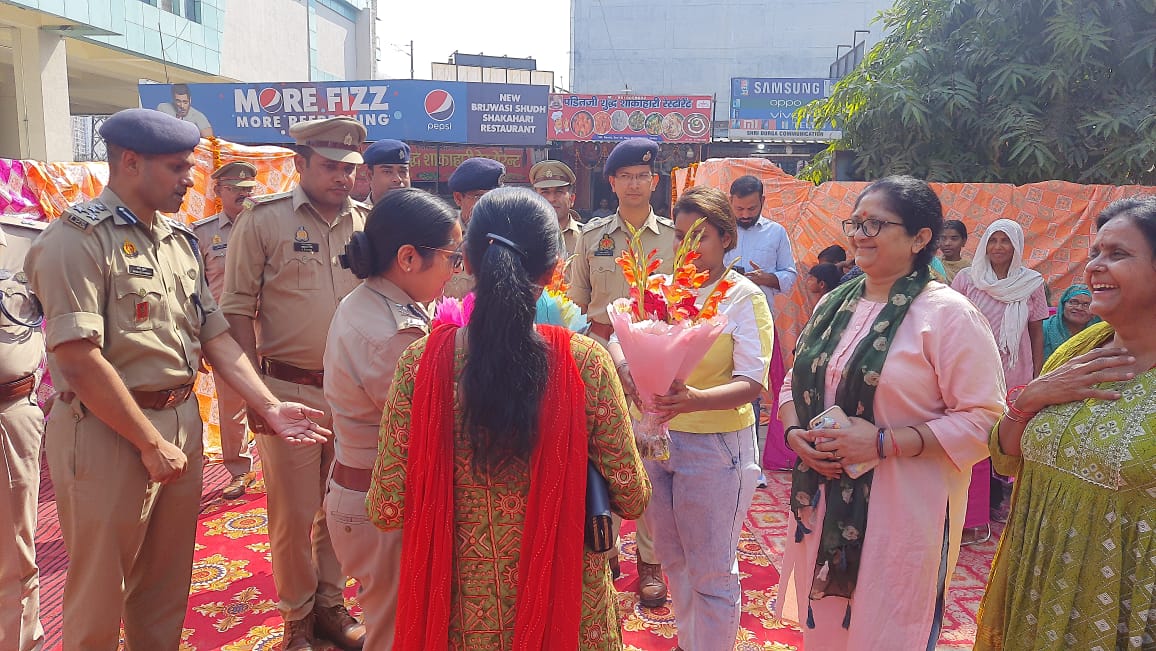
[[270, 99], [439, 105]]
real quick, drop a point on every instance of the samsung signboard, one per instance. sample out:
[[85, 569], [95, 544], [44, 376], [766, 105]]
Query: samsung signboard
[[764, 109]]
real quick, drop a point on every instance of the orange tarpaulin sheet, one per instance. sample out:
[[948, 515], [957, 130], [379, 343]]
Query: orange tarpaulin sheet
[[1057, 218]]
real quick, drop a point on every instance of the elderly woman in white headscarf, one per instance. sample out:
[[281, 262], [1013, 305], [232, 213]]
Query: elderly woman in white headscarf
[[1011, 296]]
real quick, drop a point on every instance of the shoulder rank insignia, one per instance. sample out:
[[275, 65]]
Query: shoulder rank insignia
[[87, 215], [266, 198]]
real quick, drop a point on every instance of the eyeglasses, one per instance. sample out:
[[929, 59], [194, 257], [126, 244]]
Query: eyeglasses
[[457, 258], [631, 179], [1083, 305], [870, 227]]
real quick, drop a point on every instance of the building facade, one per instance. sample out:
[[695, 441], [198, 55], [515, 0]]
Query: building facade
[[64, 58]]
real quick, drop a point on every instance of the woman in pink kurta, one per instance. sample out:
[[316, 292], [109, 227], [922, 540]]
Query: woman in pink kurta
[[934, 401]]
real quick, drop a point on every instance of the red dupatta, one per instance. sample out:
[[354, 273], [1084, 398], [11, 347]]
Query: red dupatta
[[549, 603]]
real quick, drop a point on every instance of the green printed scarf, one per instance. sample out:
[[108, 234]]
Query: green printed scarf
[[845, 523]]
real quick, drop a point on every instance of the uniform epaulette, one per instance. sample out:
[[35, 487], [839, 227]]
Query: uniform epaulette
[[267, 198], [86, 215], [596, 223], [204, 222], [665, 221], [179, 225], [364, 205], [23, 222]]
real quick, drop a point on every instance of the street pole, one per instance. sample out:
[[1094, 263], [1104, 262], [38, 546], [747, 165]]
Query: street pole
[[411, 59]]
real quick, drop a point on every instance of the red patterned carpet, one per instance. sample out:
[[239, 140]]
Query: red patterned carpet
[[232, 605]]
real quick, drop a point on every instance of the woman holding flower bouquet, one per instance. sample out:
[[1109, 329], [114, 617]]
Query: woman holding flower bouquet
[[485, 443], [703, 490], [878, 504]]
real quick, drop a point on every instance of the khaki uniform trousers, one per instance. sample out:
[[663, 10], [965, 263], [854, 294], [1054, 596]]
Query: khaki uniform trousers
[[21, 430], [235, 453], [642, 538], [305, 568], [129, 540], [371, 556]]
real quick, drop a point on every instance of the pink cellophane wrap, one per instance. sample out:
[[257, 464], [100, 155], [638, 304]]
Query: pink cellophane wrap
[[659, 353]]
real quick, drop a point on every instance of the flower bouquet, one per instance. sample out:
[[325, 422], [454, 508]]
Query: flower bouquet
[[553, 307], [663, 331]]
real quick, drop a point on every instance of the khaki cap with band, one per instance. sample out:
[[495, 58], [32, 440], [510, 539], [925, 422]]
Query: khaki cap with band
[[551, 174], [237, 174], [337, 139]]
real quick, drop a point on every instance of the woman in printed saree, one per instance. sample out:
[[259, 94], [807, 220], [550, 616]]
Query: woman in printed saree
[[485, 443], [910, 362], [1072, 315], [1076, 564]]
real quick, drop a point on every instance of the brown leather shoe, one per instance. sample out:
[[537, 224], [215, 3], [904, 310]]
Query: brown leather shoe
[[298, 635], [237, 486], [651, 585], [335, 624]]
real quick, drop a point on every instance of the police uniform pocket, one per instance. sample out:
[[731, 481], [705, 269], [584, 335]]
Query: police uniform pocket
[[308, 271], [604, 265], [140, 303]]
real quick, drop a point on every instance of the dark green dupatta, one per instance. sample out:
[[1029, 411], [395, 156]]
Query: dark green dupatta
[[845, 522]]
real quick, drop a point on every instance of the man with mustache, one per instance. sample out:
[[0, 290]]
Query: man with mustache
[[233, 183], [387, 163], [127, 317], [282, 286]]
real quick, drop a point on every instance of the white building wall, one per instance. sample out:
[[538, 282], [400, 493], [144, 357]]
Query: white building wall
[[250, 28], [336, 44], [696, 46]]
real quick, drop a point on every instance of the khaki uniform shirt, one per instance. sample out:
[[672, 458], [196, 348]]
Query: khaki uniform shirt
[[283, 271], [570, 235], [21, 346], [371, 329], [213, 241], [595, 278], [137, 292]]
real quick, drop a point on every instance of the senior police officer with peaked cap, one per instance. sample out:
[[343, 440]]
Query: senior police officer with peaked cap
[[472, 179], [22, 428], [387, 162], [233, 183], [554, 180], [596, 280], [283, 282], [128, 314]]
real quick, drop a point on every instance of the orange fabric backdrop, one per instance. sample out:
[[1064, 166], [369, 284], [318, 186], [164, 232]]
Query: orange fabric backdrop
[[1057, 217]]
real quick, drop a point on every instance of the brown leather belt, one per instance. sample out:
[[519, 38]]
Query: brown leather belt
[[603, 330], [355, 479], [290, 373], [19, 388], [162, 399]]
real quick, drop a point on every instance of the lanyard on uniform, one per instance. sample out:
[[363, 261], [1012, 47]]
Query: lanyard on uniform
[[200, 308], [33, 302]]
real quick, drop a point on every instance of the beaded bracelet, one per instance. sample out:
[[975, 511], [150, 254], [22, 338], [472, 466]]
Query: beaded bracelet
[[879, 444]]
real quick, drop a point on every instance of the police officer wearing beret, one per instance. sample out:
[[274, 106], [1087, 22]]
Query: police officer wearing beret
[[128, 315], [283, 282], [596, 280], [554, 180], [387, 162], [22, 428], [469, 182], [233, 183]]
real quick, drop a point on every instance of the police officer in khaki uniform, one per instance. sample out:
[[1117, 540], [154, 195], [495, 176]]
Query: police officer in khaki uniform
[[469, 182], [283, 282], [596, 280], [387, 164], [409, 250], [554, 180], [21, 429], [233, 183], [128, 314]]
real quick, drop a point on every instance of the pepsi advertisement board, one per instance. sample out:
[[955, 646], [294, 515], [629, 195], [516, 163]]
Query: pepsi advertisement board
[[405, 109], [764, 108]]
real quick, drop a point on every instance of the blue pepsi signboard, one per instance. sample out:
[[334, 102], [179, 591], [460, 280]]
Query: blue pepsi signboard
[[764, 108], [405, 109]]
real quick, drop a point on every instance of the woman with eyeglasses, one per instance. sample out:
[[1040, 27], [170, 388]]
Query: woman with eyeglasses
[[405, 256], [878, 504], [1073, 315]]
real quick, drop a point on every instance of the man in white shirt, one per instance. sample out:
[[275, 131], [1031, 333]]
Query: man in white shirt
[[765, 256], [182, 107]]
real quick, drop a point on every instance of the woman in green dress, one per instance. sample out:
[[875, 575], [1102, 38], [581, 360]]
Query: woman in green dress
[[1077, 562]]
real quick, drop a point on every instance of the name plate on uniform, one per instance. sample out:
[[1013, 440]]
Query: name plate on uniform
[[143, 272], [306, 247]]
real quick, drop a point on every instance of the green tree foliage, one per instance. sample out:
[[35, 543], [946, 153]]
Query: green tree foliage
[[1013, 91]]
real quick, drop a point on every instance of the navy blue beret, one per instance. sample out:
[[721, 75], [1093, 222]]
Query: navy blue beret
[[147, 131], [477, 174], [386, 152], [635, 151]]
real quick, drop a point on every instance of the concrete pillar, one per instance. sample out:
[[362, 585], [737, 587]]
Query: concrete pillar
[[41, 70]]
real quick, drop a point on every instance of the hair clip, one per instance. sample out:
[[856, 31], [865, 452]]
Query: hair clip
[[508, 243]]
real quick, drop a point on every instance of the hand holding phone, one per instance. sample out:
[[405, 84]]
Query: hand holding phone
[[836, 418]]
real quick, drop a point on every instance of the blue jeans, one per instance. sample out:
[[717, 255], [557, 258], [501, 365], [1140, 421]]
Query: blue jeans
[[700, 499]]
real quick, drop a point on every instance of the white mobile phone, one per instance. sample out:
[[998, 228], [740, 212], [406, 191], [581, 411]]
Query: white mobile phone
[[836, 418]]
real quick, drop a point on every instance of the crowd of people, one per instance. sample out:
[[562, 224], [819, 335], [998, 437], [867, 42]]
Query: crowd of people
[[444, 467]]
